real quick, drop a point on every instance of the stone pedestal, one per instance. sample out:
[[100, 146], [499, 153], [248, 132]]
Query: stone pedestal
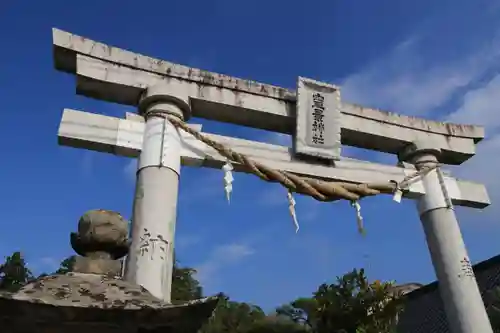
[[93, 298]]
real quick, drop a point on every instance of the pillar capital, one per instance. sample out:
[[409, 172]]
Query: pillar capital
[[419, 149], [161, 99]]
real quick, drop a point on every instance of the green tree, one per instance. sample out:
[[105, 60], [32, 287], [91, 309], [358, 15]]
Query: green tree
[[233, 317], [238, 317], [13, 273], [351, 305], [66, 265], [277, 324], [185, 287], [302, 311]]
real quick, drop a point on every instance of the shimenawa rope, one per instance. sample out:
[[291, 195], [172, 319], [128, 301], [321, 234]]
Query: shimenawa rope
[[318, 189]]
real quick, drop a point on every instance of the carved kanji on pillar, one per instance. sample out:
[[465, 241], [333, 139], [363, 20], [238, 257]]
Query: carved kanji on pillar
[[166, 94]]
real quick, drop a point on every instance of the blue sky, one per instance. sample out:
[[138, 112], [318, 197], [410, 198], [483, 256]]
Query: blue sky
[[436, 59]]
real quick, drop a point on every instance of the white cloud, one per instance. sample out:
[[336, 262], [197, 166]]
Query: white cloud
[[484, 167], [480, 106], [405, 82], [408, 82], [221, 257]]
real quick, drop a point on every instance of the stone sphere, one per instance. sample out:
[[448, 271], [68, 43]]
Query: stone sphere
[[101, 233], [103, 226]]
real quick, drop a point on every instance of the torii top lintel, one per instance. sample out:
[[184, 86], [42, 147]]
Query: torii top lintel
[[120, 76]]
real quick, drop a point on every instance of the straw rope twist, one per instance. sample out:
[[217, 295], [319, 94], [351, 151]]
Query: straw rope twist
[[318, 189]]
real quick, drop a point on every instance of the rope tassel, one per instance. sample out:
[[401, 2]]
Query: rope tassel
[[359, 217], [291, 208], [228, 179]]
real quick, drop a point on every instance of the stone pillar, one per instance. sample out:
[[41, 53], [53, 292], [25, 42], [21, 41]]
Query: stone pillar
[[150, 259], [459, 291]]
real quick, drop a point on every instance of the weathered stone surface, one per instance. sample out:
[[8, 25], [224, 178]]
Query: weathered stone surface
[[101, 232], [91, 297], [318, 122], [112, 74], [103, 225], [95, 302], [87, 290], [108, 267]]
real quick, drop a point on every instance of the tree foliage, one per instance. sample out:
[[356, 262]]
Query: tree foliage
[[14, 273], [273, 324], [303, 311], [350, 305], [66, 265], [233, 317], [185, 287]]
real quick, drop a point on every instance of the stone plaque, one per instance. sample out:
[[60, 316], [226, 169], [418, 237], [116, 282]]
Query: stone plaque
[[318, 119]]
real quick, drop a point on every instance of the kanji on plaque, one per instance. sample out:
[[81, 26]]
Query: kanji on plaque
[[318, 119], [318, 112]]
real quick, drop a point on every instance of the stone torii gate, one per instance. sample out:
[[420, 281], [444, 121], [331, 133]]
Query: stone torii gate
[[168, 94]]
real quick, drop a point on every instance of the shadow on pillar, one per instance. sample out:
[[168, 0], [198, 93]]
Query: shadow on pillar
[[93, 297]]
